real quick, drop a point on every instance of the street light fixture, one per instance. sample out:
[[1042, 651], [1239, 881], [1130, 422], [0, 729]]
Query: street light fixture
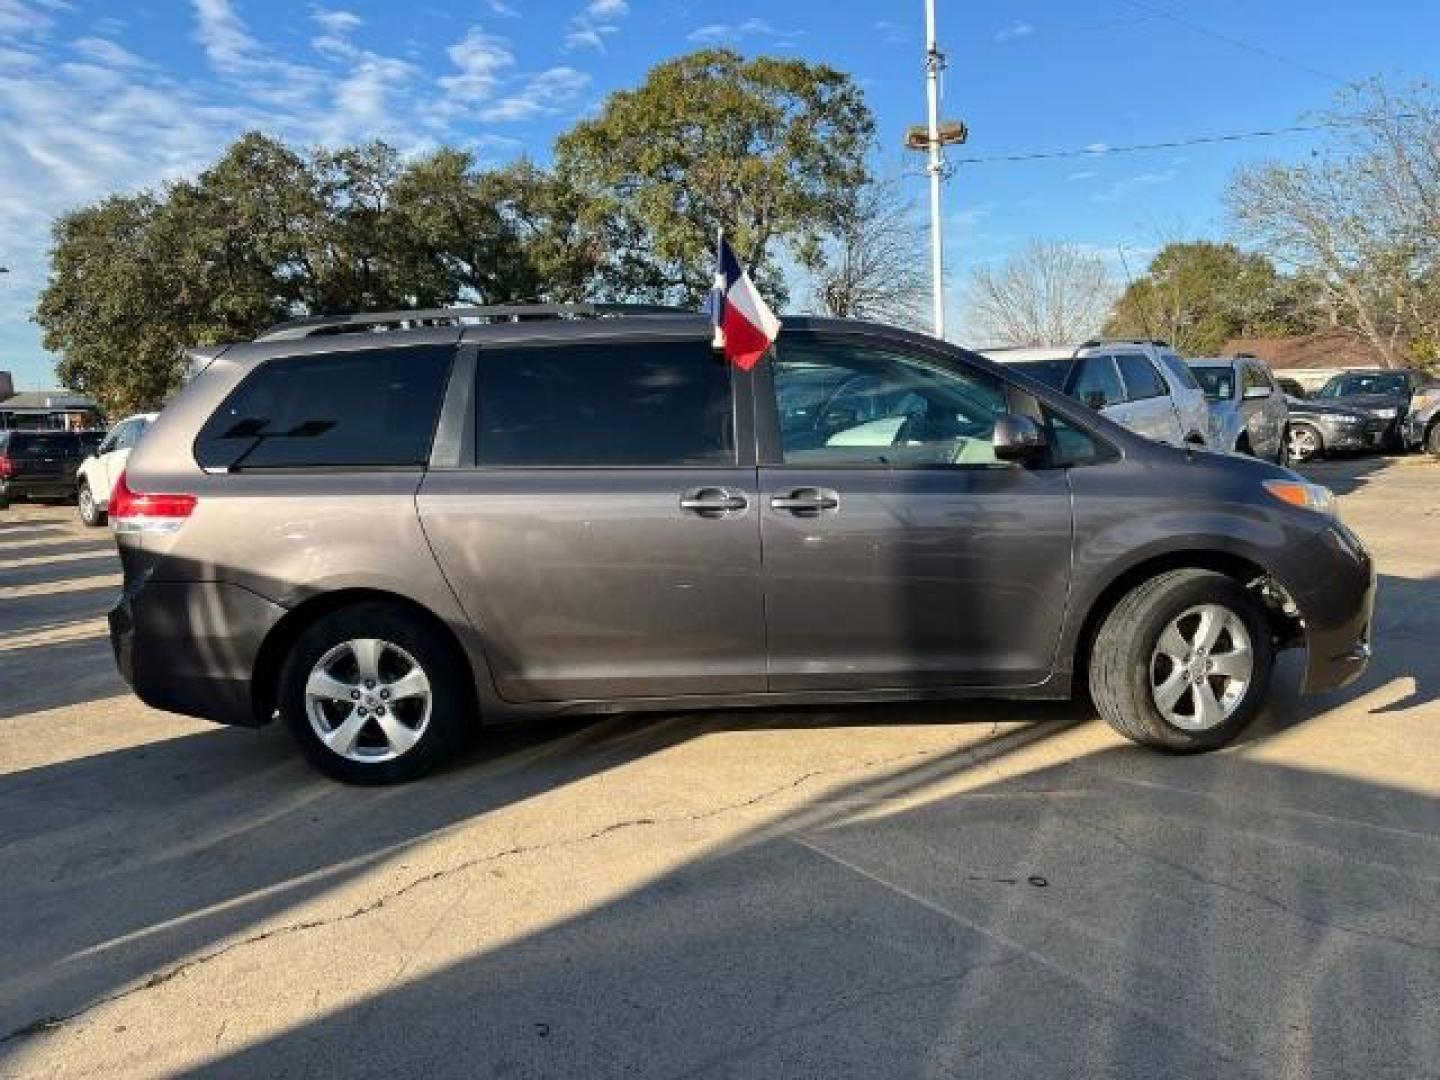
[[932, 138]]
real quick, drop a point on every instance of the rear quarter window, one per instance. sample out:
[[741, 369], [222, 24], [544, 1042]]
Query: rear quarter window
[[375, 407]]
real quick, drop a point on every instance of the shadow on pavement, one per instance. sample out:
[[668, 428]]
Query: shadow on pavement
[[1122, 914]]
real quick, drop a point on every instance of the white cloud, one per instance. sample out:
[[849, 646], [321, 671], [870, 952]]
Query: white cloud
[[249, 66], [891, 33], [1120, 189], [715, 33], [1014, 32], [28, 16], [1087, 174], [501, 8], [106, 53], [337, 22], [591, 26], [546, 94], [481, 58]]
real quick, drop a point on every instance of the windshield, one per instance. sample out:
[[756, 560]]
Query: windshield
[[1217, 382], [43, 443], [1391, 385]]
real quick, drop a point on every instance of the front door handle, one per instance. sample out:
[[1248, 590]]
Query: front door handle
[[807, 500], [713, 502]]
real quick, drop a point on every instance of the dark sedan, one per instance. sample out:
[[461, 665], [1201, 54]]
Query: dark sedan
[[1384, 393], [1317, 428]]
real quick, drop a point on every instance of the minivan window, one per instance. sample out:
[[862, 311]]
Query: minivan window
[[1142, 381], [844, 403], [621, 404], [1098, 384], [373, 407]]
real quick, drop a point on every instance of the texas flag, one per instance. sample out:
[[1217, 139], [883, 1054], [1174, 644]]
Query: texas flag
[[744, 324]]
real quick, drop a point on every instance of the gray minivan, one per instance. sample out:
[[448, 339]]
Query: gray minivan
[[385, 536]]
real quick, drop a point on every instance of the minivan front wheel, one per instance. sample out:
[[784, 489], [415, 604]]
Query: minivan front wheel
[[374, 695], [1183, 661]]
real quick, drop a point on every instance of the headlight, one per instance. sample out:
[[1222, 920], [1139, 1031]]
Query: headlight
[[1315, 497], [1386, 414]]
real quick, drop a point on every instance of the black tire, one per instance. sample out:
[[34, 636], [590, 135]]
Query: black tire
[[90, 513], [1432, 439], [1122, 657], [451, 703], [1315, 455]]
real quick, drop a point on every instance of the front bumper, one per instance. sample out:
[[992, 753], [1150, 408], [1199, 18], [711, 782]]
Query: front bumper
[[1372, 435], [191, 647], [1335, 591]]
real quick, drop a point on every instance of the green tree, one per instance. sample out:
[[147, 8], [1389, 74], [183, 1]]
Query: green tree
[[772, 150], [267, 233], [1200, 294]]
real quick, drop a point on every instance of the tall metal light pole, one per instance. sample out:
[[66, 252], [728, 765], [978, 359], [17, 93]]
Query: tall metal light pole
[[934, 64]]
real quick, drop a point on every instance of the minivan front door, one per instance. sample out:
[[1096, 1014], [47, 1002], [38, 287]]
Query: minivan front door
[[606, 542], [898, 551]]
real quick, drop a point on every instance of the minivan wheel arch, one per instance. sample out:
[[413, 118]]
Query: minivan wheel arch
[[265, 677], [1238, 567]]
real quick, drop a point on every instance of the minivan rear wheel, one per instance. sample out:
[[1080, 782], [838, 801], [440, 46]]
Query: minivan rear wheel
[[374, 695], [1183, 661]]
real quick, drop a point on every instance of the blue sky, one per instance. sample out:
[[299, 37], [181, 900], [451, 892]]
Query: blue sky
[[103, 95]]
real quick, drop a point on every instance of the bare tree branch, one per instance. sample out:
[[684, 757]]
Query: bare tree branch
[[1048, 293]]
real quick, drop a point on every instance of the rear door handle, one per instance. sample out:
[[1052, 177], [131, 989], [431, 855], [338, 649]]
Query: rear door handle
[[806, 501], [713, 502]]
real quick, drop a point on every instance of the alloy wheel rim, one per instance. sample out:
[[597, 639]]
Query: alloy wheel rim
[[1202, 667], [368, 700]]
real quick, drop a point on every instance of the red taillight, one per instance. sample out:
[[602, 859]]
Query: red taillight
[[134, 511], [7, 467]]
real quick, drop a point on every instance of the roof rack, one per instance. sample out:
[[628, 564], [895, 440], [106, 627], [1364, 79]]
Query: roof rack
[[410, 318], [1157, 342]]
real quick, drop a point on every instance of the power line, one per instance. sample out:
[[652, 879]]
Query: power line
[[1102, 150], [1161, 13]]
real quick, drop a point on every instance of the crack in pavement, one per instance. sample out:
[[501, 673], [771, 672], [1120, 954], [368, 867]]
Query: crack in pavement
[[1123, 842], [47, 1023]]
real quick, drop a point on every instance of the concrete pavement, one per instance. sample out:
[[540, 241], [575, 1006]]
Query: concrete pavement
[[973, 889]]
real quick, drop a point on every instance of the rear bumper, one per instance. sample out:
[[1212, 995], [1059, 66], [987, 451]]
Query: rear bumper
[[190, 647], [39, 487], [1336, 597]]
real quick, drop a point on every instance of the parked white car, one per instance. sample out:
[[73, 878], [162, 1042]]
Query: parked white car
[[1143, 385], [99, 472]]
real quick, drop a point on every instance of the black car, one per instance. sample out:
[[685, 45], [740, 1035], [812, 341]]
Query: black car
[[1384, 393], [39, 465], [1317, 428]]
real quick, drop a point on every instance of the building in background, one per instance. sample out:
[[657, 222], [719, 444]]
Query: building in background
[[1310, 359], [45, 410]]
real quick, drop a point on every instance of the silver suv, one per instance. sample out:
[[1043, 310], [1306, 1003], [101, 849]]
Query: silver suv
[[1248, 413], [382, 529], [1142, 385]]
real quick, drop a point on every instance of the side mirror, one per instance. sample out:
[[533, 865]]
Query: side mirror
[[1018, 438], [1253, 392], [1095, 399]]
